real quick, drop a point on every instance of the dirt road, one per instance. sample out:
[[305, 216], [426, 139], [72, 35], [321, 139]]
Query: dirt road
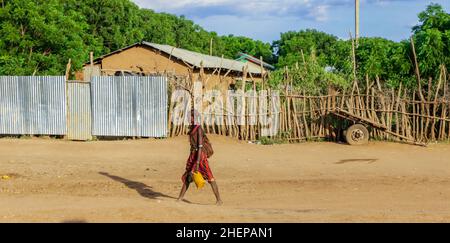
[[138, 181]]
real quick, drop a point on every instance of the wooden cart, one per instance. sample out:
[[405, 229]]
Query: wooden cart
[[357, 134]]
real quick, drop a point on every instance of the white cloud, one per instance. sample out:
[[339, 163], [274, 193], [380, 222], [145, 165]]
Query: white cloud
[[265, 19], [320, 13], [239, 7], [179, 4], [255, 6]]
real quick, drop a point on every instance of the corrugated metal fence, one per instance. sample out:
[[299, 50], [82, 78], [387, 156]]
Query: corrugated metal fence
[[108, 106], [32, 105], [129, 106]]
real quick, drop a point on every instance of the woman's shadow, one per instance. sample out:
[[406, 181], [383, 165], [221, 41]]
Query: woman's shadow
[[143, 189]]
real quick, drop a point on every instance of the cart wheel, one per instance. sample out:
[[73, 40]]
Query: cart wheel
[[357, 135]]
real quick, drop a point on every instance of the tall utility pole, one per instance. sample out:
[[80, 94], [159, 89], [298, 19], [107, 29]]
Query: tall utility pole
[[356, 20]]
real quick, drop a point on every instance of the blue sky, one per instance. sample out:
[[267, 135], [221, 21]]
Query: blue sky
[[266, 19]]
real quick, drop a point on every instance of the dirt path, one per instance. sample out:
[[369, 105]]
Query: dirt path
[[138, 181]]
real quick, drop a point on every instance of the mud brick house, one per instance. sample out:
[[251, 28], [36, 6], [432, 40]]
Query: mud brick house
[[146, 58]]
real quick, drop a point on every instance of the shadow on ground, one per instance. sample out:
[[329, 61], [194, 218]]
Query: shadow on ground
[[143, 189], [74, 221], [344, 161]]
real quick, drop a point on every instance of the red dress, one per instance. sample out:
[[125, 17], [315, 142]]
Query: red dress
[[191, 163]]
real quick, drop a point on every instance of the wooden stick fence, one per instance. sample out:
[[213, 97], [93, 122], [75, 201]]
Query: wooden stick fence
[[416, 115]]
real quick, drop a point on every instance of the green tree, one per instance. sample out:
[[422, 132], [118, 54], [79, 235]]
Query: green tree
[[310, 76], [113, 23], [232, 45], [432, 40], [38, 37], [289, 48], [157, 28], [180, 32]]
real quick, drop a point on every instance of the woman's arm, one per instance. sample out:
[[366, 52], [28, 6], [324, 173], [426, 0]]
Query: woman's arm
[[199, 145]]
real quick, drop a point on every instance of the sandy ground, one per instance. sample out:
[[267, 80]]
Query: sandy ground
[[138, 181]]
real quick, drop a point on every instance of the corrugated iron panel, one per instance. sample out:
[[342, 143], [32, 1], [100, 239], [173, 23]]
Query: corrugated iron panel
[[129, 106], [32, 105], [79, 111]]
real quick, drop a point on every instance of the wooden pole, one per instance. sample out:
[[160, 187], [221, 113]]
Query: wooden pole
[[414, 116], [382, 100], [69, 64], [435, 106], [202, 75], [372, 104], [286, 98], [295, 117], [243, 133], [262, 71], [66, 84], [397, 105], [304, 60], [353, 58], [322, 106], [288, 104], [312, 116], [444, 105], [221, 77], [368, 112], [170, 119], [428, 108], [304, 116], [417, 70]]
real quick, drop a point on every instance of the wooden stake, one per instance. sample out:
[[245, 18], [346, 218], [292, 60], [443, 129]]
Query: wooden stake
[[353, 58], [243, 127], [304, 61], [397, 125], [304, 116], [433, 135], [417, 70], [69, 64], [414, 116], [262, 72]]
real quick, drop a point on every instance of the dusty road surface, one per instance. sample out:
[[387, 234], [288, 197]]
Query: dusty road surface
[[138, 181]]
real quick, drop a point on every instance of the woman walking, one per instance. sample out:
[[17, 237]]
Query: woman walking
[[201, 150]]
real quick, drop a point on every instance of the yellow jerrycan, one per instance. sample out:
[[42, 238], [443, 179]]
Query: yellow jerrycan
[[198, 179]]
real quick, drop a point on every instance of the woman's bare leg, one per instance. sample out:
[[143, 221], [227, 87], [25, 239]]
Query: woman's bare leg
[[183, 191], [215, 189]]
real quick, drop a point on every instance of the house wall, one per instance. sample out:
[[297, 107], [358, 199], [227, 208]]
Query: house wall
[[142, 59]]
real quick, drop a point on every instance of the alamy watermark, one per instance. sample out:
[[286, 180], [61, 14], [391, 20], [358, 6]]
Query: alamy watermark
[[235, 107]]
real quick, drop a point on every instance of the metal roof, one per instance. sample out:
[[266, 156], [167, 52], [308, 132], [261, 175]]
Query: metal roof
[[255, 60], [197, 59], [194, 59]]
